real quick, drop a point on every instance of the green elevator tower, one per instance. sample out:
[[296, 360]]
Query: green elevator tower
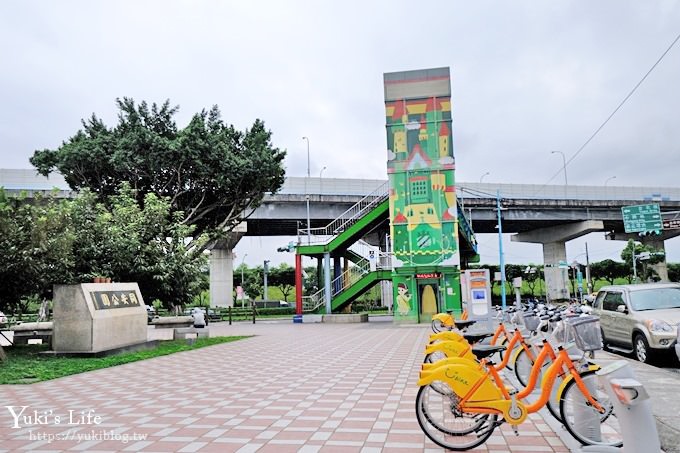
[[423, 209]]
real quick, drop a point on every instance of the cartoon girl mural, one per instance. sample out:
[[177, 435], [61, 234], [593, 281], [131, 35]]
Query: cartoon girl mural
[[403, 299]]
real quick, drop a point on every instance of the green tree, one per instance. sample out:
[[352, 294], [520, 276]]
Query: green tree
[[608, 270], [60, 242], [283, 276], [674, 272], [532, 275], [212, 173], [513, 271], [641, 266], [35, 249], [255, 282]]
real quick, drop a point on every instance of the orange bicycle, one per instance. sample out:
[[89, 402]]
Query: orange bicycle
[[466, 415]]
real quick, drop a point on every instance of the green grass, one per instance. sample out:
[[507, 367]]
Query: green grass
[[26, 365]]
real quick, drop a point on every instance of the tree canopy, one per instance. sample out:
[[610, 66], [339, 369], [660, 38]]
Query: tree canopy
[[213, 173], [53, 241]]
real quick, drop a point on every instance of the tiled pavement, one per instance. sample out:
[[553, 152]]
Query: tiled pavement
[[291, 388]]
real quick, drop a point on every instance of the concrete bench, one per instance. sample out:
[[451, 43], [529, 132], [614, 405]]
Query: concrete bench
[[180, 333], [171, 322], [345, 318], [32, 331]]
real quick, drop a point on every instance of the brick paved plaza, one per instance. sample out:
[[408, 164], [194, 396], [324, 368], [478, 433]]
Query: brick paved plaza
[[292, 387]]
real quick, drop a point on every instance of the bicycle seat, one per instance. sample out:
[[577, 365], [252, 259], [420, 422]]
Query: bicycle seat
[[460, 324], [485, 350], [478, 336]]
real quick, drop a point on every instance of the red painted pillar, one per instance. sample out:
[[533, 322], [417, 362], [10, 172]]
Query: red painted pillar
[[298, 284]]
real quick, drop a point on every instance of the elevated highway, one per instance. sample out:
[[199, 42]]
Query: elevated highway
[[547, 214]]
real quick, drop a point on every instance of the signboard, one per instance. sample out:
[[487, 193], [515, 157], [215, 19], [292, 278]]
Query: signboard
[[429, 275], [104, 300], [671, 224], [643, 218]]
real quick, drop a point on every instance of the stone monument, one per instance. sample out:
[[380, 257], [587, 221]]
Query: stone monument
[[98, 317]]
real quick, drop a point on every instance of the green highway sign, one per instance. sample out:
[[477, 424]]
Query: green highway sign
[[642, 218]]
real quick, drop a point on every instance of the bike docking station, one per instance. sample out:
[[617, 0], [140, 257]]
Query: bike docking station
[[476, 297], [633, 409]]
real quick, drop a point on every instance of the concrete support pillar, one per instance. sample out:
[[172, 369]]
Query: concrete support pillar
[[556, 279], [658, 244], [554, 251], [221, 277], [222, 268]]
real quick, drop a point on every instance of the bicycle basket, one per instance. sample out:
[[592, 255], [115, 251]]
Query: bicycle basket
[[562, 333], [587, 334], [531, 322]]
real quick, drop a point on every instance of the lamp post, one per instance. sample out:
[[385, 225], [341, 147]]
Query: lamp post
[[309, 227], [321, 181], [482, 177], [609, 179], [242, 263], [564, 165], [265, 271], [307, 139]]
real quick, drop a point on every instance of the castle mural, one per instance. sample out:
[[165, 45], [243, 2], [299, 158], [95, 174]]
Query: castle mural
[[423, 211]]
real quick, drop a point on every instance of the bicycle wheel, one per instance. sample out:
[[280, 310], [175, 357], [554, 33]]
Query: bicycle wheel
[[581, 418], [438, 326], [434, 357], [442, 421], [522, 365]]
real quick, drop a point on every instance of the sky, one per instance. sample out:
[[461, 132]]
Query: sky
[[528, 78]]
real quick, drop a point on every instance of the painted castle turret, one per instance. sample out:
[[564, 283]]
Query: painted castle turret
[[423, 211]]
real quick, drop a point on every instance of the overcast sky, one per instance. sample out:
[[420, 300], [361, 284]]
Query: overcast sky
[[528, 77]]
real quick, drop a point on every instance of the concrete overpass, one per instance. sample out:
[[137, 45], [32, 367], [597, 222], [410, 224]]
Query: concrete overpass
[[547, 214]]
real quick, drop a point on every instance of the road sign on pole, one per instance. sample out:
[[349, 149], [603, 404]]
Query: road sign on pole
[[643, 218]]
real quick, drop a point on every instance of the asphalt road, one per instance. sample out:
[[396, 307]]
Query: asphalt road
[[668, 361]]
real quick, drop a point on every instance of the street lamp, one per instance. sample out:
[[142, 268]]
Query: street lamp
[[321, 182], [306, 138], [242, 262], [309, 226], [609, 179], [564, 165], [265, 271], [309, 233], [482, 177]]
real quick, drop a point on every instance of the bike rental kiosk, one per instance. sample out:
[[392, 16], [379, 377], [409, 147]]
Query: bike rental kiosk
[[476, 292]]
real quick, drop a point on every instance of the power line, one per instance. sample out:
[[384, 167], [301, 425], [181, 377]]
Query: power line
[[597, 131]]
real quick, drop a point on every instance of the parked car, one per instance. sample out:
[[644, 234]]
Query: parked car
[[3, 319], [641, 318], [677, 344]]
